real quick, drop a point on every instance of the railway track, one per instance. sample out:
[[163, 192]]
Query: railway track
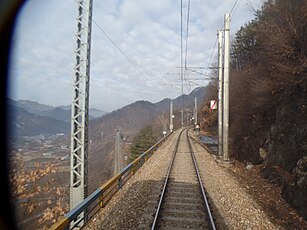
[[183, 203]]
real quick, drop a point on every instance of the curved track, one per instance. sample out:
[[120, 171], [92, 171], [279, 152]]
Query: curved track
[[183, 203]]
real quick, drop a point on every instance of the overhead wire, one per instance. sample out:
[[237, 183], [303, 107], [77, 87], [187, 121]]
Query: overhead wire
[[181, 56], [186, 48], [234, 5], [122, 52], [126, 56], [209, 63], [197, 72], [233, 10]]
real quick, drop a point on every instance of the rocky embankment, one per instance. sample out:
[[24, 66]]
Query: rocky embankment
[[284, 154]]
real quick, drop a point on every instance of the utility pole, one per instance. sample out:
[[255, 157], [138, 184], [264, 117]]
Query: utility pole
[[188, 113], [220, 94], [79, 110], [117, 153], [226, 90], [171, 126], [181, 65], [195, 111], [182, 116]]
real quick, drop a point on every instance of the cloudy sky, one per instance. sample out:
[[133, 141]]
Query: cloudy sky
[[148, 32]]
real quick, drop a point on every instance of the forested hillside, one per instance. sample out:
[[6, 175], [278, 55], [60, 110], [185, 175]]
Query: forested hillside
[[268, 83]]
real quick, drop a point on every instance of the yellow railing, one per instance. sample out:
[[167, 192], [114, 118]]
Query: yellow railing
[[98, 199]]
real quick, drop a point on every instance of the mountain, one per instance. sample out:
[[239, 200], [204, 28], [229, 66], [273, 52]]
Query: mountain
[[65, 107], [63, 113], [57, 113], [130, 119], [60, 113], [135, 116], [29, 118], [188, 100], [96, 113], [163, 105], [32, 106], [23, 123]]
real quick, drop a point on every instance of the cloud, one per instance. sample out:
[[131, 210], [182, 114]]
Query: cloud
[[148, 32]]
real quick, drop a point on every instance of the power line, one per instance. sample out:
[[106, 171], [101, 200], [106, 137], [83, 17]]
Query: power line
[[233, 6], [209, 63], [186, 48], [197, 72], [232, 9], [187, 37], [235, 10], [126, 56], [120, 50]]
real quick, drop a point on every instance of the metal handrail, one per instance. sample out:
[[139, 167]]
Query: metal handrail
[[99, 198]]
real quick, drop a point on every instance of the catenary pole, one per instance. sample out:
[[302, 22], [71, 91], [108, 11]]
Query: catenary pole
[[195, 111], [220, 94], [226, 89], [79, 110], [117, 153], [171, 126], [181, 65]]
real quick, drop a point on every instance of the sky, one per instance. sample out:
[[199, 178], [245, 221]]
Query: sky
[[148, 32]]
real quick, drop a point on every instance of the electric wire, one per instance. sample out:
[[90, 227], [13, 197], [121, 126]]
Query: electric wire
[[122, 52], [233, 9], [186, 48], [210, 59], [126, 56], [234, 5], [197, 72]]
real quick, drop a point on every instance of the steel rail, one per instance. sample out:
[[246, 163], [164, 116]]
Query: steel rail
[[201, 184], [162, 195], [165, 183], [99, 198]]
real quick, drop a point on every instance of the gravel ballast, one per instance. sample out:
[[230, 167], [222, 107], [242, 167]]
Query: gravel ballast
[[133, 206], [233, 206], [236, 208]]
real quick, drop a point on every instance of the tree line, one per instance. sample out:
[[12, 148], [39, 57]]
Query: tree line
[[268, 74]]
